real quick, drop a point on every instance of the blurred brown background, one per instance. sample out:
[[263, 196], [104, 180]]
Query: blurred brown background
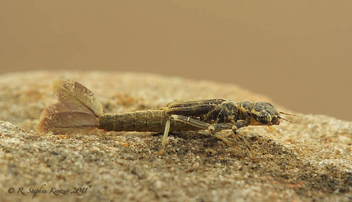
[[297, 52]]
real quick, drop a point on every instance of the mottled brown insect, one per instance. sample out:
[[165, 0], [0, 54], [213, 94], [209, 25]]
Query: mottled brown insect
[[79, 110]]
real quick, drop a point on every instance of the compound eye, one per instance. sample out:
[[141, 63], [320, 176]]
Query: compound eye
[[264, 117]]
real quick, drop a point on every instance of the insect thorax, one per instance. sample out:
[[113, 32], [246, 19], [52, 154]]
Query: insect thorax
[[229, 112]]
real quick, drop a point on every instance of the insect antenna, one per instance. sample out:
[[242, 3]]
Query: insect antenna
[[286, 120], [289, 115]]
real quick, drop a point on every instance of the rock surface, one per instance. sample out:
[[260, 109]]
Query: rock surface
[[303, 161]]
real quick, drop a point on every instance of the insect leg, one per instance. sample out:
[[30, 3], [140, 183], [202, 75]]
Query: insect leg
[[233, 127], [191, 121], [240, 124], [212, 128], [166, 133], [186, 120]]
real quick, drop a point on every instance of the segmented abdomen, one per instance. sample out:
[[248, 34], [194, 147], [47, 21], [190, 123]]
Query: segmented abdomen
[[148, 120]]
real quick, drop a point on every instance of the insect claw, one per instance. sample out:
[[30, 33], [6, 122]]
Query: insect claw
[[161, 152]]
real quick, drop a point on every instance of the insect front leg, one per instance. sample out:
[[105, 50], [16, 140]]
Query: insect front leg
[[234, 127], [240, 124], [212, 128]]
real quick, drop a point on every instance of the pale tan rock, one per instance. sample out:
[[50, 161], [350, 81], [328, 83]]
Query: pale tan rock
[[308, 160]]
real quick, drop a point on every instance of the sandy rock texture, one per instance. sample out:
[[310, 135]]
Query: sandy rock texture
[[309, 160]]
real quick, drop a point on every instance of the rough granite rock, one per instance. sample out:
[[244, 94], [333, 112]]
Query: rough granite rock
[[309, 160]]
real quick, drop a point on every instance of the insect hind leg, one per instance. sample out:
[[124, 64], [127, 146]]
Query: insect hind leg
[[166, 134]]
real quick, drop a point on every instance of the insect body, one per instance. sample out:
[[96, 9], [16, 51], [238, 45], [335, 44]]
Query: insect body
[[79, 110]]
